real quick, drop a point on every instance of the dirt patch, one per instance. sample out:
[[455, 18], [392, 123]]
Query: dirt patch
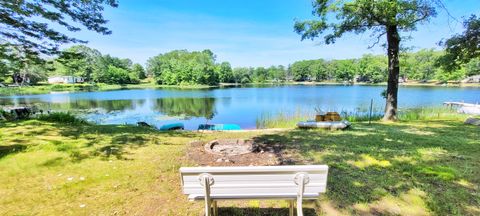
[[249, 152], [230, 147]]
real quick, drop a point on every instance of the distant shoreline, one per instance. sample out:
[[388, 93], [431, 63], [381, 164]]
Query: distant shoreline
[[47, 88]]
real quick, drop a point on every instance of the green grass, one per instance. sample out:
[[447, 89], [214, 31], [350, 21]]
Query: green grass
[[61, 117], [47, 88], [57, 166], [428, 167]]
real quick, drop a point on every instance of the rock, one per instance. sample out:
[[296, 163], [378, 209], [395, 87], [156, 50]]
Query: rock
[[473, 121], [219, 160]]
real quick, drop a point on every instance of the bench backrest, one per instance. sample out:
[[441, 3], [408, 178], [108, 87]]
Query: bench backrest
[[255, 180]]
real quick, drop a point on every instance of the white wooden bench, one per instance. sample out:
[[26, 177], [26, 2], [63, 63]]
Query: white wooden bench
[[254, 182]]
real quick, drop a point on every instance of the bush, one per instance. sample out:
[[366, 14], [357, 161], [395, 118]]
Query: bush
[[116, 75], [61, 117], [4, 116]]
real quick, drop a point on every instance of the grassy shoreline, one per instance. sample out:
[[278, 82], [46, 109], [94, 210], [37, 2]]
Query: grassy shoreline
[[47, 88], [289, 120], [412, 167]]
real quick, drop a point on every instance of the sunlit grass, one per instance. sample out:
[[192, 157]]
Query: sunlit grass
[[412, 167]]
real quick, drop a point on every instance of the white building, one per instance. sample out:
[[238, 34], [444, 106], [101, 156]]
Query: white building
[[65, 79], [472, 79]]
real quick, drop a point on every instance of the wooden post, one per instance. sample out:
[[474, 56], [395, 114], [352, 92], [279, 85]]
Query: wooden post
[[291, 207], [215, 208], [370, 115]]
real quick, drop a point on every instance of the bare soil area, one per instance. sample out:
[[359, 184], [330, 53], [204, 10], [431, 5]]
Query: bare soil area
[[262, 154]]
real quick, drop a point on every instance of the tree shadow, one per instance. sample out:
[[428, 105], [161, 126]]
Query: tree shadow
[[11, 149], [81, 141], [369, 163]]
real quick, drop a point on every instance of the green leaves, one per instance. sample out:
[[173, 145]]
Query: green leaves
[[182, 67], [27, 25], [461, 48], [338, 17]]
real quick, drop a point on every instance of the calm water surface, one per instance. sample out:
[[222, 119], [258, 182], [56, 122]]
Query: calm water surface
[[242, 106]]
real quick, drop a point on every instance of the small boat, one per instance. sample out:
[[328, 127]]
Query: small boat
[[219, 127], [173, 126], [326, 124]]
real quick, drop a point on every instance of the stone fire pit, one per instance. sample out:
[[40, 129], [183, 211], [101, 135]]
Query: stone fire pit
[[230, 147]]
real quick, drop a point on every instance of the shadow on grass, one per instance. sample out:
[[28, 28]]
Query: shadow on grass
[[81, 141], [236, 211], [380, 164], [11, 149]]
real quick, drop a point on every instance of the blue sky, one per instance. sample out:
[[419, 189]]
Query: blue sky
[[245, 33]]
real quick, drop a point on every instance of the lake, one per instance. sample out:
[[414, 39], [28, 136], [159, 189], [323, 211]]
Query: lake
[[242, 106]]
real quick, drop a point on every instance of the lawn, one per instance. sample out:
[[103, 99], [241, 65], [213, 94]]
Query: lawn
[[427, 167]]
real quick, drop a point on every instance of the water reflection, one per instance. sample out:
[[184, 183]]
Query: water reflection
[[242, 106], [189, 107]]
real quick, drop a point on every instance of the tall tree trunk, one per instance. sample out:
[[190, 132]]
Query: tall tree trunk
[[393, 40]]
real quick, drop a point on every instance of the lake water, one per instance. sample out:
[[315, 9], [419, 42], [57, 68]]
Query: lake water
[[242, 106]]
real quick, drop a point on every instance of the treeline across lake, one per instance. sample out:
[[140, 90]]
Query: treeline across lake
[[424, 65], [181, 67]]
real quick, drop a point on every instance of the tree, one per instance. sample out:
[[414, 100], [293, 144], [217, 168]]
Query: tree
[[180, 67], [345, 69], [461, 48], [242, 75], [138, 70], [27, 25], [372, 69], [301, 70], [80, 61], [225, 73], [318, 70], [277, 73], [260, 75], [473, 67], [381, 17], [117, 75]]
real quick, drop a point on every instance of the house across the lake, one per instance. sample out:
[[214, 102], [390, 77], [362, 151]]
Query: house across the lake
[[472, 79], [65, 79]]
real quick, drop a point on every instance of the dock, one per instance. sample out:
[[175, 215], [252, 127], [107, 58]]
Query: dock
[[466, 108], [460, 104]]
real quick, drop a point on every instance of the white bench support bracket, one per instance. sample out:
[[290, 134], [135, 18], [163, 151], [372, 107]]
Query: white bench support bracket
[[301, 179]]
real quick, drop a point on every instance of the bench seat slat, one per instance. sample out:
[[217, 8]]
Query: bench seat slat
[[249, 177], [250, 169]]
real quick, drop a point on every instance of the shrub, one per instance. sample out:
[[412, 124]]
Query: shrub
[[61, 117]]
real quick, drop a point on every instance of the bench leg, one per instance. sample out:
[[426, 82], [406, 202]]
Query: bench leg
[[215, 208], [290, 208], [206, 186], [299, 207], [301, 190]]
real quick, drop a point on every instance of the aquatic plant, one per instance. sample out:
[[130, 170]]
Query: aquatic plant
[[61, 117], [286, 119]]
